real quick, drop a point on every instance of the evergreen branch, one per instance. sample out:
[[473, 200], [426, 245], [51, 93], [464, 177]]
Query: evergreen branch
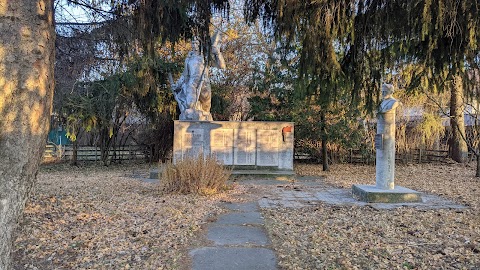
[[81, 24], [99, 10]]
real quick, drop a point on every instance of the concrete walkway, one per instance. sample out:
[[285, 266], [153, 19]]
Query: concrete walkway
[[239, 242]]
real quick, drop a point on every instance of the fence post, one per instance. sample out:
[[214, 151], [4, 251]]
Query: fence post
[[419, 155]]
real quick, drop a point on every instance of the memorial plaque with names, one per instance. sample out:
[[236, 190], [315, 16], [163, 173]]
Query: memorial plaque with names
[[221, 145], [267, 147], [193, 142], [246, 145], [379, 141], [244, 150]]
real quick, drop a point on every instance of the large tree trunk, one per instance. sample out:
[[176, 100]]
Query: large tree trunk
[[457, 123], [74, 161], [27, 39], [477, 174], [324, 142]]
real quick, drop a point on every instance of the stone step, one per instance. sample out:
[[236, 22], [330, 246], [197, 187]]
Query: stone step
[[237, 235], [239, 242], [262, 172], [233, 258]]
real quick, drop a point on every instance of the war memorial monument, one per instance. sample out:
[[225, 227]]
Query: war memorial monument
[[244, 145]]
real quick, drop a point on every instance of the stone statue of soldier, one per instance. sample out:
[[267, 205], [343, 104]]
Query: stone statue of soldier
[[192, 91]]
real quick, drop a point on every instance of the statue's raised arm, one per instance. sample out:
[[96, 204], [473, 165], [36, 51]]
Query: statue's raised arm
[[217, 54]]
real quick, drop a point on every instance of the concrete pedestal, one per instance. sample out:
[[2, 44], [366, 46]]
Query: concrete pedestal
[[255, 145], [385, 151], [373, 194], [385, 190]]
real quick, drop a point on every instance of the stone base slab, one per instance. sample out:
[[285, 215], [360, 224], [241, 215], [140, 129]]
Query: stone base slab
[[261, 172], [372, 194]]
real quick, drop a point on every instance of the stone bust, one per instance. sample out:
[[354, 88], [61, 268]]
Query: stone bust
[[389, 103]]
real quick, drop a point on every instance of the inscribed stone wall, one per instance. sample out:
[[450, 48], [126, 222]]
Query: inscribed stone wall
[[221, 145], [244, 147], [267, 147], [258, 144]]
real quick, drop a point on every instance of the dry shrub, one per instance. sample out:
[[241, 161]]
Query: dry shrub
[[204, 176]]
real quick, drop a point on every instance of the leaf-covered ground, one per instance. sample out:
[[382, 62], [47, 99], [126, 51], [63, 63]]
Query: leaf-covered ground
[[102, 218], [353, 237]]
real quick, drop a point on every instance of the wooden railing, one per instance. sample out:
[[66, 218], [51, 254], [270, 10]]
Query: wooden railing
[[92, 153], [356, 156], [423, 156]]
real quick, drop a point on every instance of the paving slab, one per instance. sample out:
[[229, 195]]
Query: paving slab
[[244, 207], [233, 258], [241, 218], [150, 180], [143, 176], [337, 196], [237, 235], [275, 203]]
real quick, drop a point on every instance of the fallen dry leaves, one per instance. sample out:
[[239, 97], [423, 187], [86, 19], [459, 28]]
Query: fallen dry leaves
[[353, 237], [101, 218]]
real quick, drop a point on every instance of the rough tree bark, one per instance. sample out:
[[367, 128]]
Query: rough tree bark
[[477, 174], [457, 123], [324, 142], [74, 161], [27, 40]]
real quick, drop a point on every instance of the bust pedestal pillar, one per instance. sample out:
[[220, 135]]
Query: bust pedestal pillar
[[385, 190], [385, 151]]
